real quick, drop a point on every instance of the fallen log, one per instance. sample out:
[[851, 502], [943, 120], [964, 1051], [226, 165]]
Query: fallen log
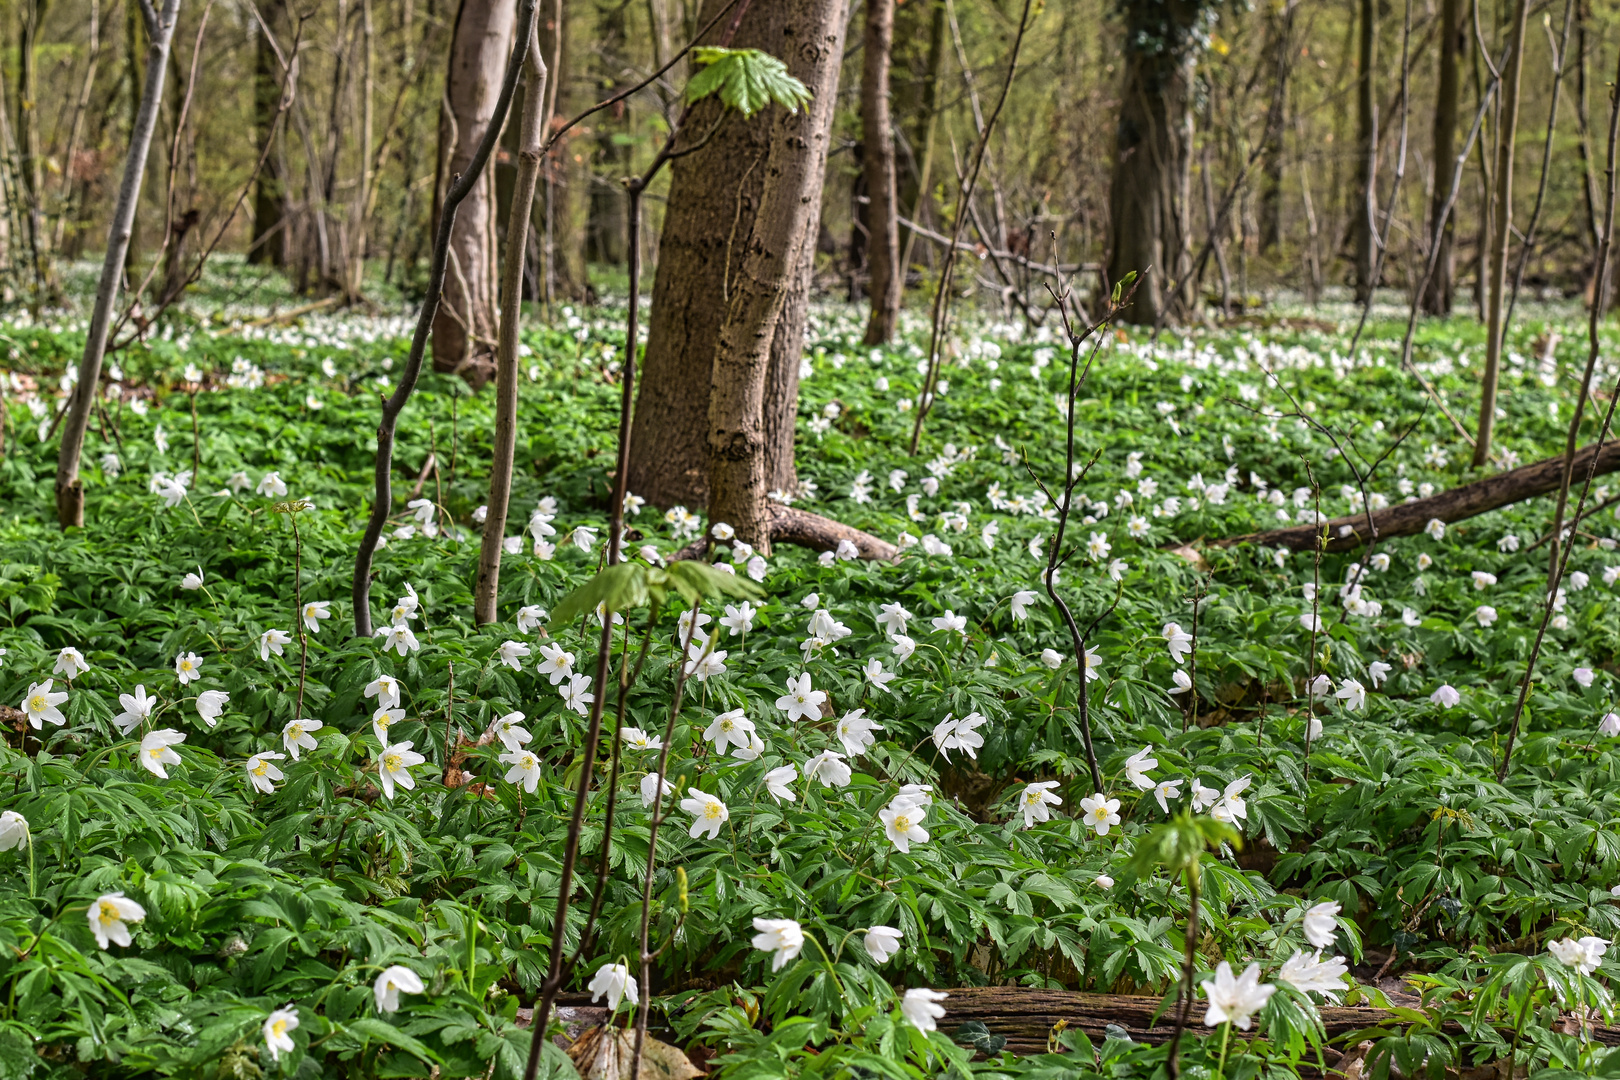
[[1410, 518], [1026, 1016]]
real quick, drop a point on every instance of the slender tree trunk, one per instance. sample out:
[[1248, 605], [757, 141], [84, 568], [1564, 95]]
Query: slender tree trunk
[[81, 108], [28, 124], [877, 141], [1589, 219], [69, 487], [1361, 214], [926, 134], [1271, 195], [354, 272], [464, 326], [133, 30], [1500, 233], [606, 228], [714, 196], [1454, 37], [269, 247], [788, 212], [1148, 196], [531, 129]]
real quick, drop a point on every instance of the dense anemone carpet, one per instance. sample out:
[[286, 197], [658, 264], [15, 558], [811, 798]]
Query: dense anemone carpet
[[237, 838]]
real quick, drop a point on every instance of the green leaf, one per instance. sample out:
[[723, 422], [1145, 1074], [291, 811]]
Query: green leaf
[[618, 588], [382, 1031], [746, 80]]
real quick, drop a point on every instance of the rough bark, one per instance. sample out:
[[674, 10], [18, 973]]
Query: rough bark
[[69, 487], [1502, 230], [269, 246], [1410, 518], [1454, 36], [714, 195], [465, 325], [775, 247], [877, 142], [1361, 213], [1152, 178]]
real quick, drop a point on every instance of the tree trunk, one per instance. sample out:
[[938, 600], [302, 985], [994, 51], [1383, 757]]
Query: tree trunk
[[1361, 214], [877, 143], [775, 246], [924, 133], [1148, 195], [269, 246], [1271, 195], [69, 487], [1436, 299], [1502, 229], [464, 327], [607, 226], [714, 195], [28, 122]]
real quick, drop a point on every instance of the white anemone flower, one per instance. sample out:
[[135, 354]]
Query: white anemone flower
[[617, 984], [394, 981], [782, 938], [110, 917]]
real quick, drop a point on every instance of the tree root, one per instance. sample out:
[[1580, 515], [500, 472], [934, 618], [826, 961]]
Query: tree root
[[801, 528], [1411, 518]]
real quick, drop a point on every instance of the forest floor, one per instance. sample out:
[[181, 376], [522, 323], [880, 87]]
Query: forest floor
[[864, 745]]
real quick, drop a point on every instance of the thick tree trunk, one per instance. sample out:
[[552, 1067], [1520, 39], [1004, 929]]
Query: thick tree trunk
[[714, 195], [877, 140], [1361, 213], [1501, 231], [1410, 518], [464, 326], [269, 246], [776, 247], [1148, 197], [1436, 299]]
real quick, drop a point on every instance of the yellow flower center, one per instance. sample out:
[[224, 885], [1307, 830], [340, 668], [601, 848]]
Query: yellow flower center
[[108, 914], [185, 665], [711, 810], [261, 768], [725, 725], [1032, 796], [1101, 813], [295, 732], [901, 823], [156, 751], [37, 703], [279, 1028], [391, 762]]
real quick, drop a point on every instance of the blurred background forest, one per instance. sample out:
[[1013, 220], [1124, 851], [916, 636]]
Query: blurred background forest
[[1253, 127]]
